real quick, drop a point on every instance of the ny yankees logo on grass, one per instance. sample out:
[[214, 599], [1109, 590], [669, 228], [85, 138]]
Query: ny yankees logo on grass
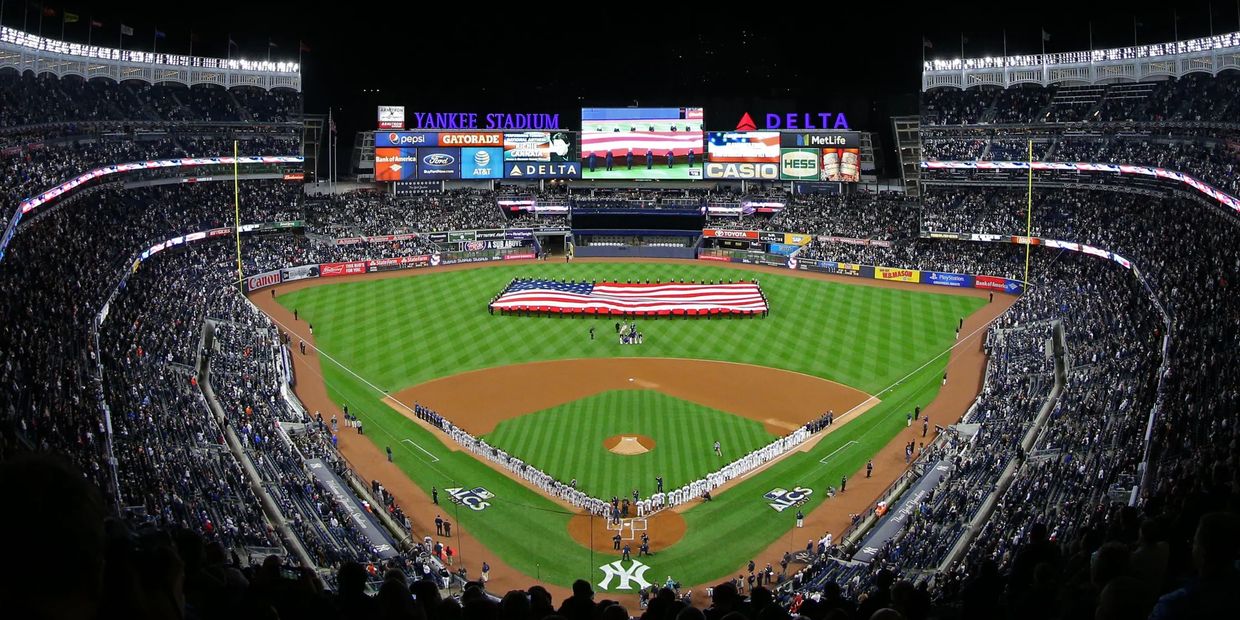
[[634, 574]]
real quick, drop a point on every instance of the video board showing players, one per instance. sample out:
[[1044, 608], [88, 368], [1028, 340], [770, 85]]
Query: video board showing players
[[641, 143]]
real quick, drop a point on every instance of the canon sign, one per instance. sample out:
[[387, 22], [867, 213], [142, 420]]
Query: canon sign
[[263, 280]]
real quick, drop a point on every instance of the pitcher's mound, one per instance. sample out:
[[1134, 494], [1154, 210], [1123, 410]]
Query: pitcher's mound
[[629, 445]]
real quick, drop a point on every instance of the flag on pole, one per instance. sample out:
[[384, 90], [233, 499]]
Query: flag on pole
[[926, 43], [126, 31], [94, 23], [302, 47], [160, 34], [49, 11], [271, 43], [1046, 36], [618, 298], [71, 18]]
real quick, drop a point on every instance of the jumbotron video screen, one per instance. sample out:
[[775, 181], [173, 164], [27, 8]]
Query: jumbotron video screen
[[641, 143]]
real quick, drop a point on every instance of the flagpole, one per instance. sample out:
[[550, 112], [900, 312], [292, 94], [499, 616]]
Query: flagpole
[[1005, 43], [1043, 37], [90, 30], [237, 217], [62, 25], [229, 56], [155, 41], [1029, 214]]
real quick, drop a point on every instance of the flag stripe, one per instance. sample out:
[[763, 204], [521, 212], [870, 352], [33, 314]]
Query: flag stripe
[[624, 297]]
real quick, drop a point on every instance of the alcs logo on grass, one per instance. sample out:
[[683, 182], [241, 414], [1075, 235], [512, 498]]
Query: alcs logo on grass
[[474, 499], [783, 499]]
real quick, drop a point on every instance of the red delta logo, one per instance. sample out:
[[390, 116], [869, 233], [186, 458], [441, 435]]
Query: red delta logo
[[746, 123]]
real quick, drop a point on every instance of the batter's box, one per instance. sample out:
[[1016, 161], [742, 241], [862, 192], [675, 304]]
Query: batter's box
[[628, 528]]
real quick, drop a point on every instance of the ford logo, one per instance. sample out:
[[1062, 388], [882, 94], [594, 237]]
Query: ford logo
[[439, 159]]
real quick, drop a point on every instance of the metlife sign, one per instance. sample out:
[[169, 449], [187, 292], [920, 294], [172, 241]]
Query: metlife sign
[[542, 170], [821, 139]]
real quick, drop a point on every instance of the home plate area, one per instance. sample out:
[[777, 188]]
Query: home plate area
[[628, 528]]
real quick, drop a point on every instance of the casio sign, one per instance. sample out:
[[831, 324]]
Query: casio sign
[[439, 160], [799, 164], [716, 170]]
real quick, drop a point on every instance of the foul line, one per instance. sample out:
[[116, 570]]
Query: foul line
[[824, 459], [424, 450]]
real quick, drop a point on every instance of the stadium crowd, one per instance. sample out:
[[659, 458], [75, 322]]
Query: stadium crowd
[[102, 358]]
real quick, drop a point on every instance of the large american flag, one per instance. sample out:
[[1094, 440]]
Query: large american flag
[[619, 298]]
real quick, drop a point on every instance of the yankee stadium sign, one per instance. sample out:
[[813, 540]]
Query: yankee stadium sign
[[473, 120]]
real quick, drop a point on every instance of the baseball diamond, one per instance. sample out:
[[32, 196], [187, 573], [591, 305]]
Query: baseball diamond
[[411, 314], [554, 414]]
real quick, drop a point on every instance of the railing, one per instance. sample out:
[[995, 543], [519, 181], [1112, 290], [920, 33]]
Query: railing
[[27, 52]]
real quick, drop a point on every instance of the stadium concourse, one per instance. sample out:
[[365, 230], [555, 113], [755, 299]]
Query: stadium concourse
[[155, 469]]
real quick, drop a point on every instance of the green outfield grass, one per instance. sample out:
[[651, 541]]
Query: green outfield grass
[[567, 441], [394, 333]]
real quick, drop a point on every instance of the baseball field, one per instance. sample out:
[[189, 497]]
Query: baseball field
[[614, 416]]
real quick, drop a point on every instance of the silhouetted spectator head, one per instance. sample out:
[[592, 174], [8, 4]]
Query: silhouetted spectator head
[[1124, 597], [52, 513], [351, 579], [887, 613], [582, 589], [615, 611], [1109, 562], [1215, 543], [690, 613]]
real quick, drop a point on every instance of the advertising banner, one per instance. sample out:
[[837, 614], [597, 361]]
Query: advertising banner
[[542, 170], [519, 256], [391, 117], [437, 163], [730, 234], [771, 237], [721, 259], [901, 275], [519, 233], [406, 138], [797, 239], [990, 283], [946, 235], [754, 171], [783, 249], [458, 236], [547, 146], [359, 516], [330, 270], [404, 262], [413, 188], [300, 272], [482, 163], [908, 506], [263, 280], [476, 139], [940, 278], [841, 165], [798, 164], [820, 139], [842, 269], [488, 235], [438, 237], [393, 164]]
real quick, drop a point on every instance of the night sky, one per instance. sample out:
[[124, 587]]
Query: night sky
[[863, 61]]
